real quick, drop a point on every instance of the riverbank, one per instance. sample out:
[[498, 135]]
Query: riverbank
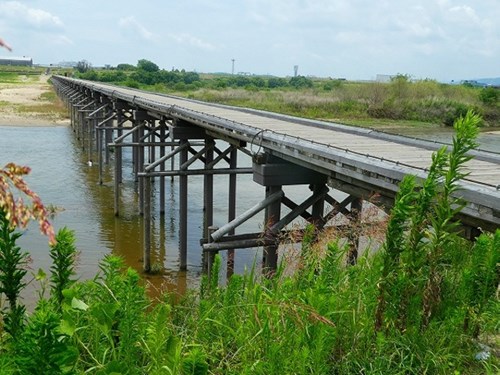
[[30, 101]]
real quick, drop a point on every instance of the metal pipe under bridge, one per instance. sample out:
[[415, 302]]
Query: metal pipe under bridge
[[285, 150]]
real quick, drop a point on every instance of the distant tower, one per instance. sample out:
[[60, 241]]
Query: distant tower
[[295, 70], [232, 70]]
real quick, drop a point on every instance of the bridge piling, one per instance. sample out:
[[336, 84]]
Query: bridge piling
[[147, 224], [163, 139], [208, 197], [233, 164], [354, 233], [183, 207], [272, 216]]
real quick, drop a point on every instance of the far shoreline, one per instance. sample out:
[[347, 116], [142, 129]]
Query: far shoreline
[[32, 122], [31, 102]]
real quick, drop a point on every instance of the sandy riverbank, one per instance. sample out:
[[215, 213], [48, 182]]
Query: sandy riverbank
[[23, 103]]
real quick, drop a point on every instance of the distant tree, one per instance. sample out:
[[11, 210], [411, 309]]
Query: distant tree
[[190, 77], [301, 82], [400, 85], [147, 66], [112, 76], [91, 75], [125, 67], [275, 82], [239, 81], [259, 82], [83, 66]]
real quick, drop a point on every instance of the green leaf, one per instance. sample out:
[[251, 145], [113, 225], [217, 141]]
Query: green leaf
[[67, 327], [40, 275], [79, 304], [68, 293]]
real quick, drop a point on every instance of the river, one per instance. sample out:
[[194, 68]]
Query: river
[[61, 176], [64, 180]]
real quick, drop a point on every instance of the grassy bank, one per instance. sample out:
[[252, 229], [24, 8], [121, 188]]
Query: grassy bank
[[401, 101], [26, 94]]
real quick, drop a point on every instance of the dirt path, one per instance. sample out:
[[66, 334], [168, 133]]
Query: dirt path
[[27, 102]]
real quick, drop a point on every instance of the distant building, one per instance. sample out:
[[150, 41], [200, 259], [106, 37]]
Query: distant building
[[67, 64], [16, 61]]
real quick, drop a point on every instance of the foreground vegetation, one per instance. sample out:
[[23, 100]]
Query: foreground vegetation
[[425, 303], [401, 100]]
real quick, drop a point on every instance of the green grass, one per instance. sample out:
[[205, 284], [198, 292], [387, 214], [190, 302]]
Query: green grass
[[8, 77]]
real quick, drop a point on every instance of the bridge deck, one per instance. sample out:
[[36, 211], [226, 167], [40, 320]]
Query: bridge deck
[[370, 156], [482, 172]]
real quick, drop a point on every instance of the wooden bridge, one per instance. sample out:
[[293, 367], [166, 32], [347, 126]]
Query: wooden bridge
[[285, 151]]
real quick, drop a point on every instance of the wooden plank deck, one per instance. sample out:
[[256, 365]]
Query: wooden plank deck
[[364, 144]]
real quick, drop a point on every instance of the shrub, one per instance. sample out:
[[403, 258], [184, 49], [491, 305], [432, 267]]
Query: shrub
[[489, 95]]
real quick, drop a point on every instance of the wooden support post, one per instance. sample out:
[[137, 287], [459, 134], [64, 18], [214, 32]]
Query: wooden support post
[[273, 212], [117, 185], [140, 168], [163, 136], [354, 233], [233, 162], [183, 209], [72, 112], [81, 125], [135, 150], [118, 150], [152, 138], [108, 138], [99, 142], [90, 140], [318, 208], [172, 160], [147, 223], [95, 121], [208, 198]]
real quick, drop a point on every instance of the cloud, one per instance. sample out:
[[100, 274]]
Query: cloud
[[130, 24], [18, 13], [191, 40]]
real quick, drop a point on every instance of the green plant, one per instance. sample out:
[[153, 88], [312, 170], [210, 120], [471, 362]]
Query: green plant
[[63, 255], [13, 268], [42, 348], [420, 235], [481, 279], [105, 318]]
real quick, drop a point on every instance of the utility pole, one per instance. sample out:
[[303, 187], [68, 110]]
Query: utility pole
[[232, 70]]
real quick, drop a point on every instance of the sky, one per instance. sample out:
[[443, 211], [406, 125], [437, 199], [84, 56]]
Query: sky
[[353, 39]]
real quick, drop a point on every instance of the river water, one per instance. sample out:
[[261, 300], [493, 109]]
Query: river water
[[62, 177]]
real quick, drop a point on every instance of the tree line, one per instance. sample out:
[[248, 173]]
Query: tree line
[[148, 73]]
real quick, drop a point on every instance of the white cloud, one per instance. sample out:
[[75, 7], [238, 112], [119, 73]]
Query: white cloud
[[18, 13], [130, 24], [186, 38]]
